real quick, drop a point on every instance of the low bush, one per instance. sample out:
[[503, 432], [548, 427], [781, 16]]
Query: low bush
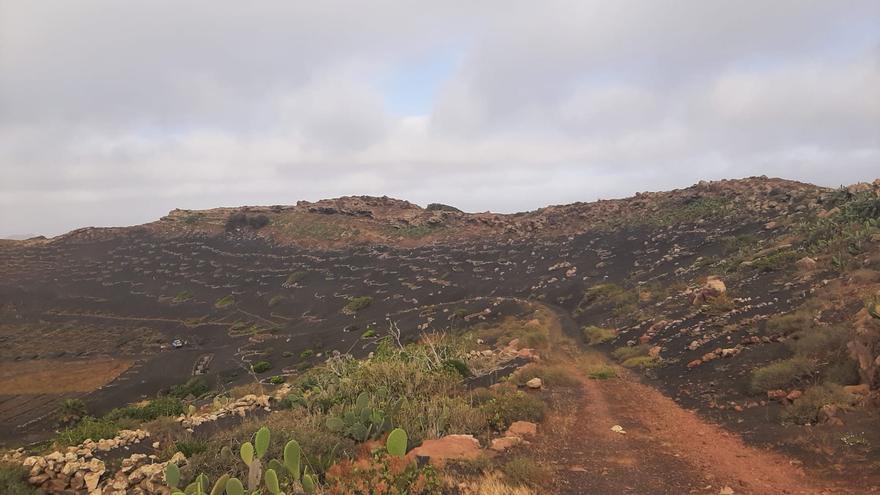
[[596, 335], [356, 304], [806, 408], [782, 374], [261, 366], [276, 380], [195, 387], [191, 447], [628, 352], [790, 323], [509, 406]]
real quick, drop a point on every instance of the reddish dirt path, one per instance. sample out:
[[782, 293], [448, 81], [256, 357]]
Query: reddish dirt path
[[665, 450]]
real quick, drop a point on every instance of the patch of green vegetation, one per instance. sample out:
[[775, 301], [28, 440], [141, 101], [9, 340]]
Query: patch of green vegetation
[[628, 352], [780, 260], [601, 373], [191, 447], [789, 323], [782, 374], [156, 408], [356, 304], [13, 480], [71, 411], [677, 211], [183, 296], [844, 233], [528, 334], [277, 380], [261, 366], [224, 302], [509, 406], [195, 387], [295, 278], [596, 335], [635, 356], [276, 300], [805, 409], [96, 429], [306, 354], [415, 231], [622, 301]]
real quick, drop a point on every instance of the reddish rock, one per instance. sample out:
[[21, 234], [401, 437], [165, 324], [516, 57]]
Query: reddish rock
[[862, 389], [794, 394], [522, 429], [449, 447], [504, 443]]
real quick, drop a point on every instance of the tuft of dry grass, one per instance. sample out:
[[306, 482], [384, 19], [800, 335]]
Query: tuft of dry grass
[[493, 483]]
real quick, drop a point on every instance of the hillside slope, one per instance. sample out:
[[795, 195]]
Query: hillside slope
[[752, 301]]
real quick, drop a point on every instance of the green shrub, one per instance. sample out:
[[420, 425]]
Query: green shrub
[[806, 408], [817, 341], [89, 427], [13, 480], [306, 354], [261, 366], [276, 380], [356, 304], [596, 335], [844, 371], [790, 323], [191, 447], [508, 407], [781, 374], [71, 411], [195, 386]]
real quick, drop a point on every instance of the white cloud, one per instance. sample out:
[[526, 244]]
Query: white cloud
[[114, 113]]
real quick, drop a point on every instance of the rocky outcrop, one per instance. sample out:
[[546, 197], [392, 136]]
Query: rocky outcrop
[[865, 347]]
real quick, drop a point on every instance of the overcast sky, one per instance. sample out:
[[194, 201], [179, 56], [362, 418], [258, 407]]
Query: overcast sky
[[115, 112]]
